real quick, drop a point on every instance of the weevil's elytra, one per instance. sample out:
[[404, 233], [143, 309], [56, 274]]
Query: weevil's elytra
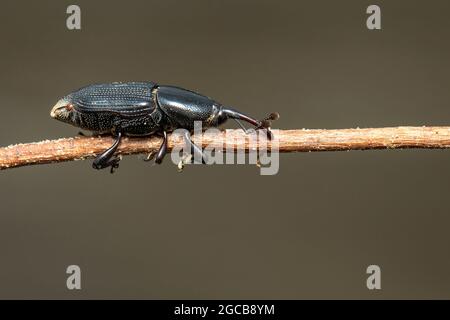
[[143, 108]]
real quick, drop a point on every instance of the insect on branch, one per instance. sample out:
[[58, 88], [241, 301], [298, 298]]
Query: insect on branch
[[79, 148]]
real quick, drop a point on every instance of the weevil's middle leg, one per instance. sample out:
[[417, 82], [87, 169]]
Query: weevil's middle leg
[[107, 158], [160, 154]]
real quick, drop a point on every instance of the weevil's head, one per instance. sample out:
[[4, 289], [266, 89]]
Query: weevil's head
[[63, 110]]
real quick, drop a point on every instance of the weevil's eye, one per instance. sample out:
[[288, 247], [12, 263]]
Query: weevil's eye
[[68, 107]]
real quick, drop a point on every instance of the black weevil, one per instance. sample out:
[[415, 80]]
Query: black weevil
[[144, 108]]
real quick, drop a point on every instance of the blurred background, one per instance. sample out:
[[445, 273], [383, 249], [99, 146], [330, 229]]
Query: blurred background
[[225, 231]]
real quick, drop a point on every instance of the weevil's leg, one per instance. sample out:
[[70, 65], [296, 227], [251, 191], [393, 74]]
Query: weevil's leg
[[162, 150], [107, 158], [150, 156], [194, 149]]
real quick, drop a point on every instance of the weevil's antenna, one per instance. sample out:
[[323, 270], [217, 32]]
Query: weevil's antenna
[[267, 122]]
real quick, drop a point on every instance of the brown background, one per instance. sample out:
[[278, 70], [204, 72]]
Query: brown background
[[226, 231]]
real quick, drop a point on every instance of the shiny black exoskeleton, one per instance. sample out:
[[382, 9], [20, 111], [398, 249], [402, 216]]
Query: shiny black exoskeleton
[[143, 108]]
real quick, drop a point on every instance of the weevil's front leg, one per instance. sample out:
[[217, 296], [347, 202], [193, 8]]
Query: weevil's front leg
[[162, 149], [107, 158], [194, 149]]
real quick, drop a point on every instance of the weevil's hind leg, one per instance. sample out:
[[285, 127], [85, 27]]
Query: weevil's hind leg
[[162, 149], [194, 149], [107, 158]]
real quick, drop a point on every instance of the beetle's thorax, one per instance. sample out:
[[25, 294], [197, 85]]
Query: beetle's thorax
[[182, 108]]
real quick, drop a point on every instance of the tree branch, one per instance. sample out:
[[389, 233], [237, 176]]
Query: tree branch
[[79, 148]]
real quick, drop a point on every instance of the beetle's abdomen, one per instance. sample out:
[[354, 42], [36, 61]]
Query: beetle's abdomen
[[125, 99]]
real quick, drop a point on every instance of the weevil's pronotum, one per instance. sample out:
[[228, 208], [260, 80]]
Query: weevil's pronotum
[[144, 108]]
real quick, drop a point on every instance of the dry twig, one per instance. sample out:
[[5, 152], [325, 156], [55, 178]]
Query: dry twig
[[79, 148]]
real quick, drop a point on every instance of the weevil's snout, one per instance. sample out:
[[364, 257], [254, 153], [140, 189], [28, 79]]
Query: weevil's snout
[[62, 110], [222, 117]]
